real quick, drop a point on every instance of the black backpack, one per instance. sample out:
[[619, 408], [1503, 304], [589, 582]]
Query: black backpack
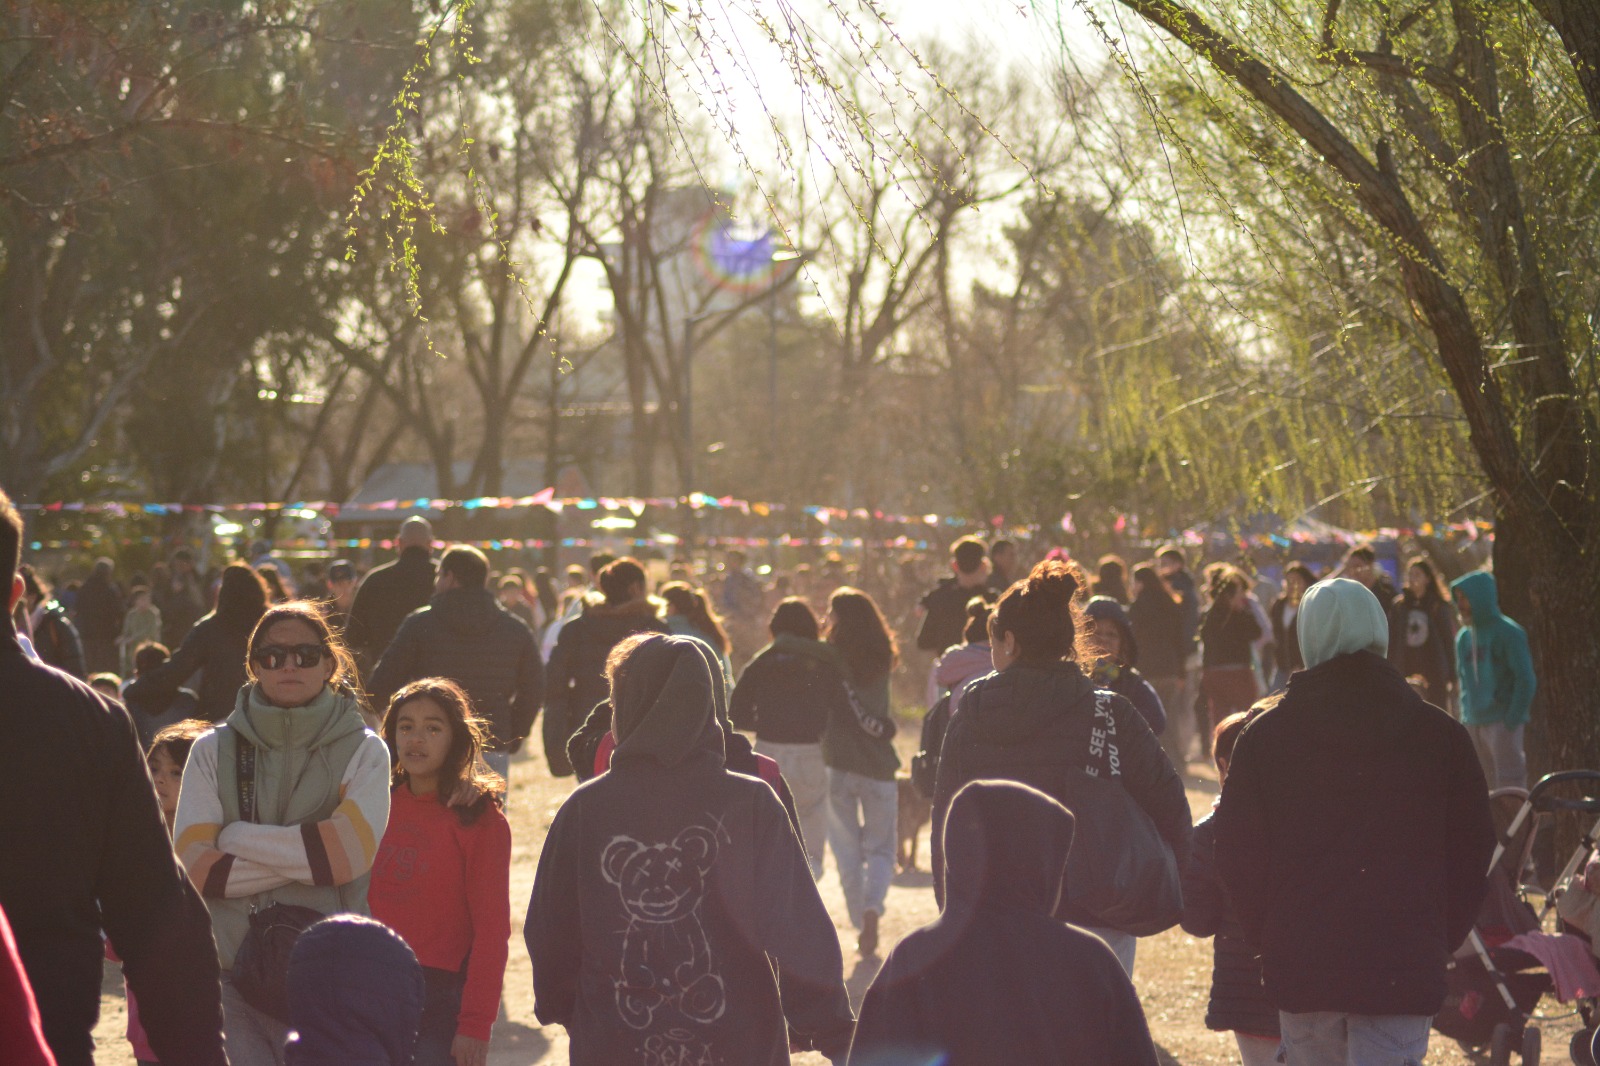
[[925, 763]]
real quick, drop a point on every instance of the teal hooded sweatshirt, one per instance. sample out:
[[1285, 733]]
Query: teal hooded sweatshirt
[[1492, 660]]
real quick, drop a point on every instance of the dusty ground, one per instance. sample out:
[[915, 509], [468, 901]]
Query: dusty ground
[[1172, 972]]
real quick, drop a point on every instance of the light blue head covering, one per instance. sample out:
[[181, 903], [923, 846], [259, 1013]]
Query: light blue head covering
[[1339, 616]]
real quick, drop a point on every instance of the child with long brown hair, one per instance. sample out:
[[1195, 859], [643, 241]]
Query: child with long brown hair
[[442, 879]]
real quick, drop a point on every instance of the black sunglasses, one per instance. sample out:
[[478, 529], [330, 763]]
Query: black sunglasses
[[274, 656]]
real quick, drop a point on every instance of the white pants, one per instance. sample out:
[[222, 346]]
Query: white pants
[[1500, 752], [807, 777]]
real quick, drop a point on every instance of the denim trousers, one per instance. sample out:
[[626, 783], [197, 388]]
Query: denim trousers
[[441, 1005], [861, 830], [1327, 1038], [807, 777]]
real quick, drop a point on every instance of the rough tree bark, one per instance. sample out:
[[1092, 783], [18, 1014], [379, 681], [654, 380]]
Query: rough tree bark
[[1540, 471]]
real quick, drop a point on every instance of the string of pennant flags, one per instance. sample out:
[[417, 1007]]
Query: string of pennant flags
[[546, 499], [696, 501]]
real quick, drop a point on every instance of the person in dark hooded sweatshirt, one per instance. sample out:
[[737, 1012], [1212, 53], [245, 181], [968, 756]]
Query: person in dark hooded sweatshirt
[[355, 995], [1353, 836], [575, 679], [996, 979], [670, 893]]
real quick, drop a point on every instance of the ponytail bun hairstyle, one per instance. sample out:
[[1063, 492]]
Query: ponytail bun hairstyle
[[1039, 612], [976, 630]]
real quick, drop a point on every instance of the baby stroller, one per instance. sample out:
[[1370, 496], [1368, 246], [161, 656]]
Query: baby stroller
[[1494, 989]]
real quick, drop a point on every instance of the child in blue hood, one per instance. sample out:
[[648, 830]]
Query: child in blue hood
[[1496, 680]]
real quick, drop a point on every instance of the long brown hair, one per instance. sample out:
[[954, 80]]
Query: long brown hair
[[863, 638], [463, 763], [682, 598]]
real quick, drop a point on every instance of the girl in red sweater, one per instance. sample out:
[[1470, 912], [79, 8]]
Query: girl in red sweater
[[442, 878]]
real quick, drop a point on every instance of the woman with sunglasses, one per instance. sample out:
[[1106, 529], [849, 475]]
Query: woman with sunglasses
[[296, 749]]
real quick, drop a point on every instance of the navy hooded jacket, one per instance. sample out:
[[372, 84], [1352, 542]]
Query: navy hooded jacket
[[996, 980], [355, 995]]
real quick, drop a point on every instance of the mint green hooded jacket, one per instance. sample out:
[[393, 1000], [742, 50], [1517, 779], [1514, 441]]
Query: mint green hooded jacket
[[1492, 659]]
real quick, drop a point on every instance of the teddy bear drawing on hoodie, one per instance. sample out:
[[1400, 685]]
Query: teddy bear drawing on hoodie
[[666, 959]]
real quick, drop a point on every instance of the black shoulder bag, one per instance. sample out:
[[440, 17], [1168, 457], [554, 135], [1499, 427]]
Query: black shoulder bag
[[1120, 869], [261, 965]]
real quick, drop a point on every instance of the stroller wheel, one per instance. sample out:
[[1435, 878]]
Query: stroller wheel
[[1500, 1046], [1532, 1044], [1579, 1051]]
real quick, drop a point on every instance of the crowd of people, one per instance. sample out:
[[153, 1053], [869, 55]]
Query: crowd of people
[[280, 800]]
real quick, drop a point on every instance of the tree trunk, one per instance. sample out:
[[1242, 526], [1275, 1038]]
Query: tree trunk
[[1578, 23]]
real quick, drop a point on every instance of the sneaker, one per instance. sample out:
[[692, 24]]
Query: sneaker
[[867, 942]]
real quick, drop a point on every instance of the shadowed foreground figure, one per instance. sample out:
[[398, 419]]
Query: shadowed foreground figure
[[355, 995], [996, 979]]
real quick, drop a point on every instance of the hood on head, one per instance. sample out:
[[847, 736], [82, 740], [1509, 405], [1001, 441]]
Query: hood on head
[[355, 994], [1006, 843], [669, 711], [1339, 616], [1105, 608], [1482, 595]]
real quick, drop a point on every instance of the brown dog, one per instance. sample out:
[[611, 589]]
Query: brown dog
[[915, 812]]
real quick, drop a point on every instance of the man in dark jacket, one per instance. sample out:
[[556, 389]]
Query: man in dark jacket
[[391, 592], [99, 612], [55, 638], [179, 598], [945, 606], [1353, 837], [671, 893], [996, 979], [84, 849], [464, 634]]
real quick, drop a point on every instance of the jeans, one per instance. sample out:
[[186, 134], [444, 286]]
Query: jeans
[[861, 831], [253, 1038], [500, 763], [1500, 753], [441, 1005], [1122, 945], [1325, 1038], [807, 777]]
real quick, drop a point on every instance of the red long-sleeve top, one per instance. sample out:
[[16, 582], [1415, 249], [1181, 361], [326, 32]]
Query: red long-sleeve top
[[446, 888]]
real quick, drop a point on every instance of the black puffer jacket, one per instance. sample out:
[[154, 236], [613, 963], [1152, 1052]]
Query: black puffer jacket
[[386, 597], [1354, 835], [1238, 1000], [995, 980], [1035, 724], [575, 679], [466, 636], [216, 650]]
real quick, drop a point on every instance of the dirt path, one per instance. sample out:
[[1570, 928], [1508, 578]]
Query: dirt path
[[1172, 973]]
